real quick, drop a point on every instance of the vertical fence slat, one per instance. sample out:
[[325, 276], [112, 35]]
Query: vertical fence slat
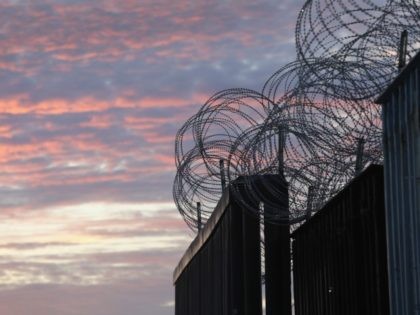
[[220, 272], [401, 125], [344, 262]]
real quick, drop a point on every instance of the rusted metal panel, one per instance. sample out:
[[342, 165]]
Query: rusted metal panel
[[339, 255]]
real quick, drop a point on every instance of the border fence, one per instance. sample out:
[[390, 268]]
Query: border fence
[[221, 271], [360, 253], [401, 125], [339, 255], [339, 259]]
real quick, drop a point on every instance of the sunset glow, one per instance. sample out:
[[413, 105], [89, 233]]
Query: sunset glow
[[91, 96]]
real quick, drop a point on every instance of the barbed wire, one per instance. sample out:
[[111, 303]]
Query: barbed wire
[[358, 38], [313, 127]]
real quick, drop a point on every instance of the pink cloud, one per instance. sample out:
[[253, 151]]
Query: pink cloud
[[92, 95]]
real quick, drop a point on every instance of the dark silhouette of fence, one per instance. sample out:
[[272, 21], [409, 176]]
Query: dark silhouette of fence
[[339, 258], [220, 272], [339, 255]]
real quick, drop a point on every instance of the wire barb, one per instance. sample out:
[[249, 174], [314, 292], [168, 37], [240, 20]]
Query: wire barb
[[307, 123]]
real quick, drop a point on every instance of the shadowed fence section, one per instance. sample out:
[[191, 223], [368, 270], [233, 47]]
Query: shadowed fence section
[[340, 255], [220, 273]]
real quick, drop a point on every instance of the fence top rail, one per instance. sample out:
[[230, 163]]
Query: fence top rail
[[413, 64], [203, 235]]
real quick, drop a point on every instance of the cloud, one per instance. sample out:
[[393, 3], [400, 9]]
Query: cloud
[[123, 298], [82, 49], [91, 96], [91, 244]]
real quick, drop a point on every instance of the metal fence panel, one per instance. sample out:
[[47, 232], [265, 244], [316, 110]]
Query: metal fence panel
[[401, 124], [221, 271], [339, 255]]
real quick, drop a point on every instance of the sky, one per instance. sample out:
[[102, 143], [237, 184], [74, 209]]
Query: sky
[[92, 93]]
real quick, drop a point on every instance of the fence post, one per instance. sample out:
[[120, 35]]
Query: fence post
[[277, 249]]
